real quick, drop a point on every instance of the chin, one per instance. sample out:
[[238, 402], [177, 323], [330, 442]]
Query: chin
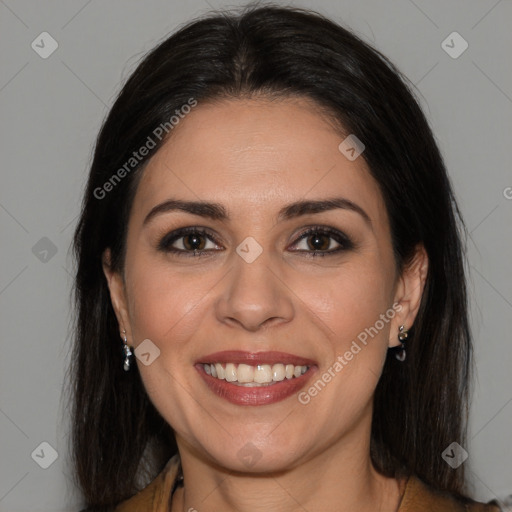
[[249, 458]]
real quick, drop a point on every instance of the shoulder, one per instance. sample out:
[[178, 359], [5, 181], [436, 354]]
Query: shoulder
[[155, 496], [418, 497]]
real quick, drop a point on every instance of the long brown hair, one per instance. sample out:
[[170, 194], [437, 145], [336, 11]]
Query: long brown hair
[[119, 439]]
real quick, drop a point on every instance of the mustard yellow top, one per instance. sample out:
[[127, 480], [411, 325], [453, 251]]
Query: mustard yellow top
[[416, 497]]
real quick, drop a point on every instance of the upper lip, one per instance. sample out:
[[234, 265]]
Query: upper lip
[[254, 358]]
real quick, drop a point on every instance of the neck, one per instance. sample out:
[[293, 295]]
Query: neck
[[339, 479]]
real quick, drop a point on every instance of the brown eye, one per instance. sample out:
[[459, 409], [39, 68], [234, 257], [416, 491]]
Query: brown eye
[[194, 242], [320, 241], [188, 242]]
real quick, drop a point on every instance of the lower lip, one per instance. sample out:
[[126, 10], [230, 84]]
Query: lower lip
[[260, 395]]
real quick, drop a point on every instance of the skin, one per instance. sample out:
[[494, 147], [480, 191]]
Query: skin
[[255, 156]]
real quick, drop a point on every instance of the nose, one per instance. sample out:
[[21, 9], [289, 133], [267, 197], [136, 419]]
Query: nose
[[254, 295]]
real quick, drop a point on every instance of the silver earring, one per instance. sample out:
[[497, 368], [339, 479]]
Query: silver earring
[[403, 334], [127, 353]]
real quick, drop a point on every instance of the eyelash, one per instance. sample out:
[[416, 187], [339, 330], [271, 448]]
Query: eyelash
[[166, 242]]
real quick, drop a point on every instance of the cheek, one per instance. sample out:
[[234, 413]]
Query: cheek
[[351, 299], [163, 305], [356, 307], [172, 307]]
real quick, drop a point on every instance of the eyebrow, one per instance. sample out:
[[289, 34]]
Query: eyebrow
[[216, 211]]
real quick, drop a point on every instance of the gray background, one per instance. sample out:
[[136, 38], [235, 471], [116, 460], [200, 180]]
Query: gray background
[[51, 110]]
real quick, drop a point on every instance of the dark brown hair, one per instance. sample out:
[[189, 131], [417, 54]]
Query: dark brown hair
[[119, 440]]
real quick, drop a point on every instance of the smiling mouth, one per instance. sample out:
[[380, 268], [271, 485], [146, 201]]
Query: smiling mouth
[[253, 376], [255, 393]]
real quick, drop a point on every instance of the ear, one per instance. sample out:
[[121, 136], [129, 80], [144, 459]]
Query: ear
[[117, 295], [409, 292]]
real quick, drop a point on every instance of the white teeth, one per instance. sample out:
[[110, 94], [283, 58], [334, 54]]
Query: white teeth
[[278, 372], [250, 376], [220, 371], [230, 374], [263, 374], [245, 373]]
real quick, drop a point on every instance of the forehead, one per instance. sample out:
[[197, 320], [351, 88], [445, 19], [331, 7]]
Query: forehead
[[256, 154]]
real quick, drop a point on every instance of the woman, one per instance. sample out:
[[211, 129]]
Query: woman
[[270, 284]]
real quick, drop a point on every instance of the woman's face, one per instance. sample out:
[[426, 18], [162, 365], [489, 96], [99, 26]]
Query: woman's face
[[261, 296]]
